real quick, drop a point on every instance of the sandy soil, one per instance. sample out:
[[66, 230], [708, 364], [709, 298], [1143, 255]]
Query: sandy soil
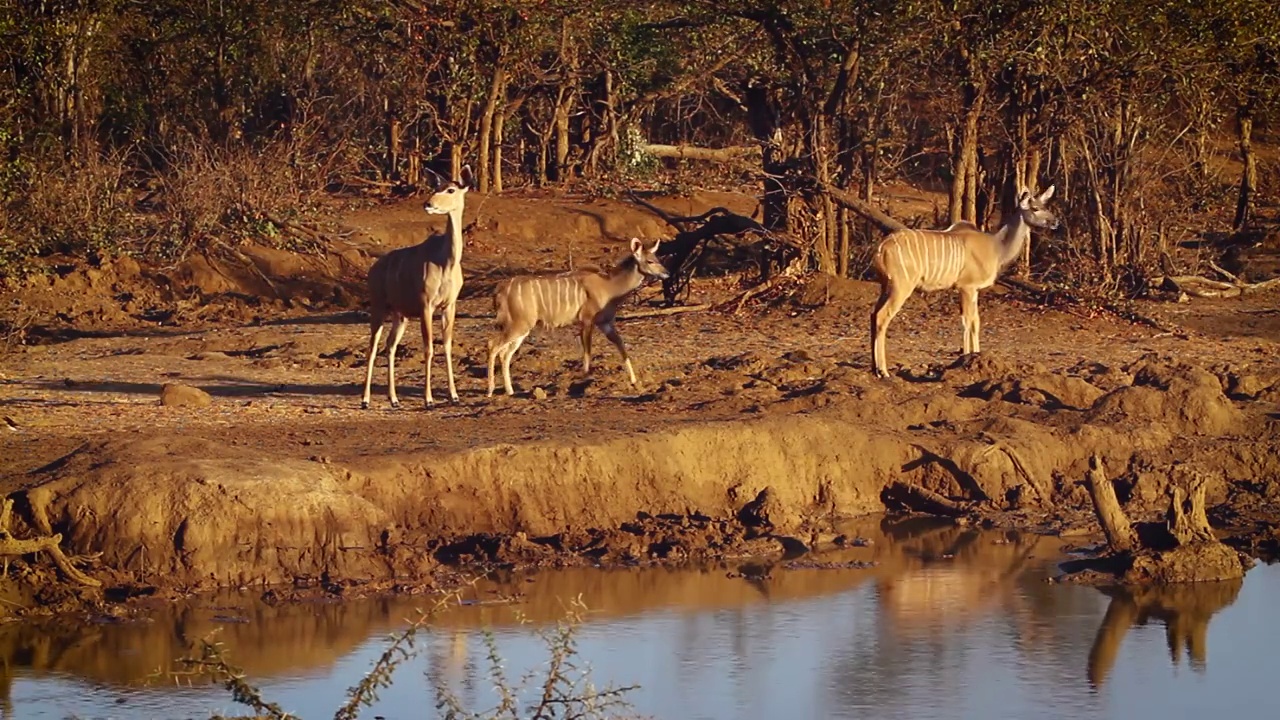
[[281, 475]]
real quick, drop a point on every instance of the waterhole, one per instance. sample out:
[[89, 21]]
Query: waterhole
[[905, 621]]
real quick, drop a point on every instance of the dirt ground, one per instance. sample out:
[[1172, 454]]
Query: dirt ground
[[281, 476]]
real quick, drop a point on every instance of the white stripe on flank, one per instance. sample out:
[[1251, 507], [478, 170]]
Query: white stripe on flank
[[928, 259]]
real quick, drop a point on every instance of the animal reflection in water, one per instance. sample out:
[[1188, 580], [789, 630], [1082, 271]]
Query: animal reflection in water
[[954, 575], [448, 659]]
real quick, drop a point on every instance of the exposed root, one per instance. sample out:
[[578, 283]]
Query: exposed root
[[11, 547]]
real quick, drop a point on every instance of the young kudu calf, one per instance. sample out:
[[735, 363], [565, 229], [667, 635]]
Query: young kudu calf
[[585, 298], [961, 256], [412, 282]]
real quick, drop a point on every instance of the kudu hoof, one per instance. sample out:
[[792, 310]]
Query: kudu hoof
[[395, 403], [364, 404]]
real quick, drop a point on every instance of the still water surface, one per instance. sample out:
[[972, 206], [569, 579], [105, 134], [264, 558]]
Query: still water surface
[[950, 623]]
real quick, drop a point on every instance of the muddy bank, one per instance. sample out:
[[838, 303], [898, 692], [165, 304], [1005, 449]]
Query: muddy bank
[[189, 513]]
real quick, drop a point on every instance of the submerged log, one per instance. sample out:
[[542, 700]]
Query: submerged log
[[924, 500]]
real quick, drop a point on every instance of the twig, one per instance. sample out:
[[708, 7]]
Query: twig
[[1224, 273]]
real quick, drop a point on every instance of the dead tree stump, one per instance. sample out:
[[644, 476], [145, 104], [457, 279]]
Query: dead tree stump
[[1115, 524], [1181, 549]]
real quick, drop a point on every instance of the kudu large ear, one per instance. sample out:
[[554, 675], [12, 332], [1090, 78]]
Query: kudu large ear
[[636, 245], [466, 178], [656, 243], [1048, 193], [435, 178], [1024, 198]]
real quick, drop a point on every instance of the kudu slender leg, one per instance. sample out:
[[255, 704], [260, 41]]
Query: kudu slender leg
[[890, 303], [587, 329], [506, 362], [969, 318], [450, 313], [397, 334], [611, 331], [494, 349], [375, 336], [428, 352]]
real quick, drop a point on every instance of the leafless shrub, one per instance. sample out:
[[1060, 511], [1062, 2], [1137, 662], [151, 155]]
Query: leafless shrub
[[81, 208], [563, 690]]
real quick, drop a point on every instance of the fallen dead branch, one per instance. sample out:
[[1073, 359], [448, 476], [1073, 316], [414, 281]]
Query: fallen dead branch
[[683, 253], [691, 152], [847, 200], [662, 312], [924, 500], [734, 305], [1202, 287]]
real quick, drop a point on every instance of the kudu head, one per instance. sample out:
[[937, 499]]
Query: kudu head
[[647, 261], [1033, 210], [450, 194]]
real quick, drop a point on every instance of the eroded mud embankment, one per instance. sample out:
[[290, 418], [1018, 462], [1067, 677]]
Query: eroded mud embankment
[[192, 514]]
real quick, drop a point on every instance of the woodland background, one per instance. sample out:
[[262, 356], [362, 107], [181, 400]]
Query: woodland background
[[156, 128]]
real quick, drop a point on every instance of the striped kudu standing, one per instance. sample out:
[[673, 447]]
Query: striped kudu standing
[[586, 298], [412, 282], [961, 256]]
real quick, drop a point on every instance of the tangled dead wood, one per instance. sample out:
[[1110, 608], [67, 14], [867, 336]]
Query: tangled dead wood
[[684, 253], [1203, 287], [12, 547]]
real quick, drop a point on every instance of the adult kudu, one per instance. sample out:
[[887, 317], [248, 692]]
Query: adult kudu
[[960, 257], [411, 282]]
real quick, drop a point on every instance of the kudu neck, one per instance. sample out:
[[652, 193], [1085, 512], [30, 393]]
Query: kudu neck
[[453, 226], [625, 277], [1012, 237]]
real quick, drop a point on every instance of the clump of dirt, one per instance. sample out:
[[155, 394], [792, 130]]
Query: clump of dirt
[[1044, 390], [1184, 398]]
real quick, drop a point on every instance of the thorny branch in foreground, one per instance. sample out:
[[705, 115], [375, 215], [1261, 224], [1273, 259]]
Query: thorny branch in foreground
[[563, 690]]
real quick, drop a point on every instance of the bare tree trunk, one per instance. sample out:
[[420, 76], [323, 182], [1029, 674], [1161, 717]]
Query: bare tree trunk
[[566, 93], [392, 130], [415, 161], [964, 182], [764, 126], [1249, 176], [497, 87], [842, 241], [499, 124]]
